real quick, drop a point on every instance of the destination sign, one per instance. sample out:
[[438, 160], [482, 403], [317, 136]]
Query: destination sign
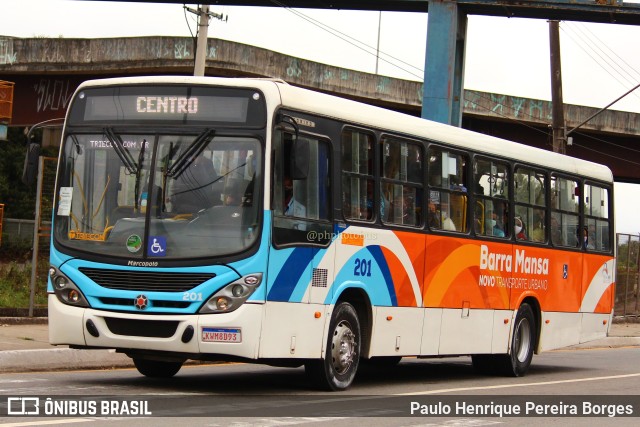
[[181, 104]]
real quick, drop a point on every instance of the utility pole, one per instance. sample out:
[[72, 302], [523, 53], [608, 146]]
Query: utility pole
[[378, 47], [557, 125], [201, 43], [203, 35]]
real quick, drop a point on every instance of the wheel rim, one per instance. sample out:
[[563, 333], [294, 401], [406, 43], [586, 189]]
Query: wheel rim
[[343, 347], [523, 340]]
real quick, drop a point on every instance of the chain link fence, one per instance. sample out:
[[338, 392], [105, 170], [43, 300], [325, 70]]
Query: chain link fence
[[627, 302]]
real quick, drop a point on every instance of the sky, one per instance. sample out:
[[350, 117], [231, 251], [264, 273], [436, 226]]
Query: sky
[[600, 62]]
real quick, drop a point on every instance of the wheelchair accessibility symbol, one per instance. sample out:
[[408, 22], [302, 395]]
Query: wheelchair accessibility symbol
[[157, 246]]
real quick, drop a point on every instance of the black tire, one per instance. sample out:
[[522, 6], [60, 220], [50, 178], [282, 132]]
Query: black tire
[[156, 368], [338, 368], [518, 361], [522, 343]]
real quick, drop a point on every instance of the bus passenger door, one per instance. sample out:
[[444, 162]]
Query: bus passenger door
[[301, 233]]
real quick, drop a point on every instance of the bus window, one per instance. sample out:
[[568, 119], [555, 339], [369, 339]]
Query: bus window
[[357, 175], [529, 191], [447, 190], [301, 206], [401, 182], [565, 209], [491, 180], [596, 202]]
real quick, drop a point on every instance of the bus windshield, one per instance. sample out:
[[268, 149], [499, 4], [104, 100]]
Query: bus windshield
[[158, 195]]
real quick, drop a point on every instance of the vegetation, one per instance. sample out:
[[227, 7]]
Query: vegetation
[[15, 285], [19, 203], [18, 198]]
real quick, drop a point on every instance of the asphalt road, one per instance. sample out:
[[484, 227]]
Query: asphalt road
[[243, 395]]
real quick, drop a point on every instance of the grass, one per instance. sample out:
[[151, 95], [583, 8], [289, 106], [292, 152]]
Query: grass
[[15, 284]]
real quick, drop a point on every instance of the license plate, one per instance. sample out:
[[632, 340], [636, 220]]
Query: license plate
[[221, 335]]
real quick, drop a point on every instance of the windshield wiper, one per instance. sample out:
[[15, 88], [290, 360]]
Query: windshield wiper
[[121, 151], [139, 172], [189, 155]]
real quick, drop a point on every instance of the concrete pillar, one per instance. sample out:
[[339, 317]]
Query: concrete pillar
[[444, 63]]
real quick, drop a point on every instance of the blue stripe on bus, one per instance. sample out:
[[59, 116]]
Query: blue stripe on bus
[[290, 273], [377, 254]]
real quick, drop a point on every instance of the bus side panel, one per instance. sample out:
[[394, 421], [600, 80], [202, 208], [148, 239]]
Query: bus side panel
[[552, 277], [598, 284], [597, 296], [396, 331], [293, 330], [387, 265], [431, 332], [466, 332], [462, 273], [559, 330], [595, 326]]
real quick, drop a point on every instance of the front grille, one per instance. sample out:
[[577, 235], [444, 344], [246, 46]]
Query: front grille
[[146, 280], [142, 328], [129, 302]]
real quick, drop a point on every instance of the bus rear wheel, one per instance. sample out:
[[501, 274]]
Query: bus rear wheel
[[337, 369], [156, 368], [515, 364]]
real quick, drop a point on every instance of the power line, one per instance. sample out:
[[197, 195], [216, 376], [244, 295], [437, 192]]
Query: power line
[[603, 56], [346, 38]]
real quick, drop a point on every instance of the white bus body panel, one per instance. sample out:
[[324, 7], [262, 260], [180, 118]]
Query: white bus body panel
[[559, 330], [397, 331], [292, 330], [595, 326]]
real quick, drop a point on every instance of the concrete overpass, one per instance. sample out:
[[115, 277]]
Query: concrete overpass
[[47, 71]]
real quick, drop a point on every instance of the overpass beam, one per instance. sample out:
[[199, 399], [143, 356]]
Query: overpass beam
[[443, 88]]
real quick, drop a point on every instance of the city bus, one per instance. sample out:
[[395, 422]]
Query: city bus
[[239, 219]]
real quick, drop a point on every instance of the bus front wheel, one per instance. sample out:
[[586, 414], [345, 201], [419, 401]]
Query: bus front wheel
[[156, 368], [337, 369]]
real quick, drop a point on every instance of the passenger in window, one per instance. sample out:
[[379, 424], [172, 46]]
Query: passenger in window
[[500, 220], [496, 227], [538, 228], [291, 206], [194, 188], [368, 213], [591, 239], [233, 197], [447, 222], [583, 238], [519, 229], [434, 215]]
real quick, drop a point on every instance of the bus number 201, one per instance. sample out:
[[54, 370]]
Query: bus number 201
[[362, 267], [191, 296]]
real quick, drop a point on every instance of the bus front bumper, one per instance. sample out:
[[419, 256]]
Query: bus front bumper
[[234, 334]]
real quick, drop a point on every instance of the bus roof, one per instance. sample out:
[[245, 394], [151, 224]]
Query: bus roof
[[358, 113]]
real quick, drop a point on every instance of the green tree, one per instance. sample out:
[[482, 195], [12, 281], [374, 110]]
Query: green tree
[[18, 198]]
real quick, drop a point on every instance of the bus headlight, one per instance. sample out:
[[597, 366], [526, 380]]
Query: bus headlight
[[232, 296], [65, 290]]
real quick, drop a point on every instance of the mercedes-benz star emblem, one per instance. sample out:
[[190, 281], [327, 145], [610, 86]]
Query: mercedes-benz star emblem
[[141, 302]]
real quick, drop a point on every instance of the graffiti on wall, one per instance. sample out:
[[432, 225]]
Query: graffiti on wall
[[507, 106], [53, 94], [7, 55]]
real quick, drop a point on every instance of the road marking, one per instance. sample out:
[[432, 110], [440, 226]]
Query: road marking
[[494, 387], [50, 422]]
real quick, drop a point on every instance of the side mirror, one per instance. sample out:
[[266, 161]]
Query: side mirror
[[299, 159], [30, 169]]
